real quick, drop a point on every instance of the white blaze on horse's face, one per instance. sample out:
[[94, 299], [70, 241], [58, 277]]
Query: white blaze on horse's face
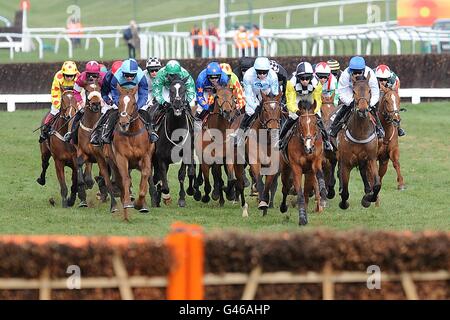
[[394, 102], [126, 100], [177, 87], [273, 105]]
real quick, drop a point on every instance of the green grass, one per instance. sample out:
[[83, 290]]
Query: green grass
[[425, 160], [51, 13]]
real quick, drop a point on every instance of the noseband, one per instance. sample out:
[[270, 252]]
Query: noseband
[[265, 122]]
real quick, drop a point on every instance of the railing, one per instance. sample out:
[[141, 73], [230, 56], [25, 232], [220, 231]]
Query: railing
[[416, 94]]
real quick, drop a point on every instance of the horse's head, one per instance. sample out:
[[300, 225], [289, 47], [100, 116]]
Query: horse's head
[[177, 94], [308, 129], [226, 103], [361, 94], [271, 111], [94, 97], [127, 107], [68, 104], [390, 107]]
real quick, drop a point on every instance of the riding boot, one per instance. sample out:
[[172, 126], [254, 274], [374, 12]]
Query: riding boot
[[46, 127], [339, 115], [284, 130], [239, 134], [378, 125], [97, 130], [325, 137], [401, 132], [198, 119], [108, 128], [72, 133], [147, 119]]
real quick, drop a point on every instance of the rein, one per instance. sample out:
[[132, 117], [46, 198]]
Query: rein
[[266, 122]]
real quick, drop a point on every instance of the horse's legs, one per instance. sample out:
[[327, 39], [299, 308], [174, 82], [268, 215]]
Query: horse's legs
[[375, 179], [79, 161], [59, 166], [191, 172], [395, 158], [89, 182], [198, 181], [240, 186], [73, 187], [207, 187], [156, 185], [286, 187], [164, 167], [122, 166], [273, 190], [45, 160], [344, 175], [231, 182], [182, 193], [362, 164], [145, 168], [332, 179], [266, 190], [302, 216], [216, 184], [256, 170], [103, 168]]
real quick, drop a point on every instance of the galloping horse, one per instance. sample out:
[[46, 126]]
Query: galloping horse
[[131, 149], [87, 153], [63, 153], [211, 147], [260, 155], [304, 155], [390, 119], [330, 161], [358, 146], [175, 133]]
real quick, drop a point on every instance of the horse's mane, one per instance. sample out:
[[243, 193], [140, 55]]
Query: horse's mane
[[360, 78]]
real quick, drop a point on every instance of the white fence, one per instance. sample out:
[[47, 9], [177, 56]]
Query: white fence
[[414, 93]]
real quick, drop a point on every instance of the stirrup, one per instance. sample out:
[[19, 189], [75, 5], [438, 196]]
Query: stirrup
[[67, 136]]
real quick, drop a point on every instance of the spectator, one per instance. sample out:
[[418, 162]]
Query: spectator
[[197, 41], [255, 39], [212, 44], [241, 41], [74, 29], [131, 37]]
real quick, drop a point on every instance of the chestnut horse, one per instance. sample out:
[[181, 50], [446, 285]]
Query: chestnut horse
[[87, 153], [358, 146], [212, 146], [63, 153], [131, 149], [304, 155], [388, 113], [260, 153]]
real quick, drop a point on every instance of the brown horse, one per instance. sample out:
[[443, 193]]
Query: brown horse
[[330, 161], [259, 148], [63, 153], [211, 147], [304, 155], [87, 153], [131, 149], [358, 146], [388, 113]]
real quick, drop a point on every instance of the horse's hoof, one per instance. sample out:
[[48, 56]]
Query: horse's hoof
[[190, 191], [245, 211], [132, 197], [205, 199], [264, 212], [323, 203], [311, 193], [246, 183], [83, 204], [128, 205], [215, 195], [263, 205], [331, 193], [271, 205], [344, 205], [283, 208], [181, 203], [52, 201], [400, 187], [221, 203], [40, 181], [113, 210], [302, 219], [365, 203], [197, 195], [89, 184], [143, 210], [167, 202]]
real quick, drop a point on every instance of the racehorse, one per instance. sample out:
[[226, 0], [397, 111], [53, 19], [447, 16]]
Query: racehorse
[[329, 161], [259, 152], [175, 132], [358, 146], [131, 149], [211, 147], [63, 153], [304, 155], [388, 113], [87, 153]]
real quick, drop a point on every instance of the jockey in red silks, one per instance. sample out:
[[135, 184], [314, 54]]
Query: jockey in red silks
[[90, 75]]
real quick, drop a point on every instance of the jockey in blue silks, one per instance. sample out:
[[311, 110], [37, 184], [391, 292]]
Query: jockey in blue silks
[[206, 83], [128, 76]]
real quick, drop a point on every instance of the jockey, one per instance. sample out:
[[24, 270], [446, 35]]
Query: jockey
[[64, 79], [258, 78], [109, 104], [234, 85], [91, 73], [328, 81], [103, 68], [207, 81], [357, 66], [282, 78], [245, 63], [152, 66], [335, 68], [388, 79], [303, 87], [162, 81], [128, 76]]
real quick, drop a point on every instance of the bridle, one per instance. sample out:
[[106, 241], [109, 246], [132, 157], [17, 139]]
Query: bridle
[[389, 115], [264, 122], [221, 111], [304, 138]]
